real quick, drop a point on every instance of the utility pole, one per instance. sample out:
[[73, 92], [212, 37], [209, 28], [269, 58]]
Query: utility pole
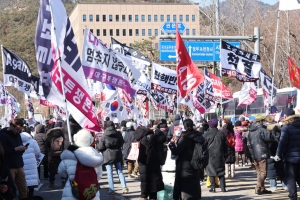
[[217, 17]]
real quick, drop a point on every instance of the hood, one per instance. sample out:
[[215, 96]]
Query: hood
[[292, 120], [255, 126], [195, 136], [142, 132], [88, 156], [67, 154], [39, 129], [270, 126], [25, 136]]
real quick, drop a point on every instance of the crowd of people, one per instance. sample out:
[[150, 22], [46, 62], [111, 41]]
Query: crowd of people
[[270, 147]]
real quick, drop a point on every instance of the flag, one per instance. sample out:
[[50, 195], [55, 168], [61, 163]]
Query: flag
[[55, 37], [199, 101], [3, 94], [294, 74], [222, 94], [289, 4], [239, 64], [188, 75], [16, 71], [30, 108], [266, 82], [115, 109], [163, 79], [247, 94]]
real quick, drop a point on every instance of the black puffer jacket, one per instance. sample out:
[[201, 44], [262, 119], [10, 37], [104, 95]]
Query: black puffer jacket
[[110, 145], [258, 141], [40, 137], [187, 180], [128, 139], [230, 151], [149, 168], [6, 176]]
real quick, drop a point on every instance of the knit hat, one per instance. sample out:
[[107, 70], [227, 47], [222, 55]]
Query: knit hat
[[289, 112], [83, 138], [213, 123]]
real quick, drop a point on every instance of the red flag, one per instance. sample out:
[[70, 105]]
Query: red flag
[[294, 73], [188, 75]]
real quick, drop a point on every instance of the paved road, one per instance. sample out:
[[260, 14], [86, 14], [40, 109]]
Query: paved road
[[241, 187]]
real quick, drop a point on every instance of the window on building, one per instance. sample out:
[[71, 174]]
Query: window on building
[[180, 18], [92, 30], [194, 32], [156, 32], [84, 18], [187, 31], [117, 18], [130, 18], [162, 33], [168, 18], [104, 32], [110, 18], [111, 32], [124, 32], [149, 32], [193, 18], [162, 19], [143, 18], [97, 18], [187, 18], [130, 32], [117, 32], [98, 32], [174, 18], [149, 18], [155, 18], [104, 18], [123, 18], [143, 32], [136, 18], [91, 18], [136, 32]]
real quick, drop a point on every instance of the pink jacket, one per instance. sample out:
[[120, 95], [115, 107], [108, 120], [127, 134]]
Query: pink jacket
[[239, 144]]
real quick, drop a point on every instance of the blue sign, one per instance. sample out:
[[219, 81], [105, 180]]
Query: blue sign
[[170, 27], [198, 50]]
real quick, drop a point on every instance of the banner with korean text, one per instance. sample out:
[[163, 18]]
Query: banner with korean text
[[163, 79], [267, 87], [248, 94]]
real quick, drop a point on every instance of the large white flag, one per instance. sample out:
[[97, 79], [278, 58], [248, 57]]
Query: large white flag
[[248, 94], [289, 4], [266, 82]]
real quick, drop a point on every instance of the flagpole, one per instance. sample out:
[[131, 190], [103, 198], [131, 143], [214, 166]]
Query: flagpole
[[221, 81], [274, 61], [5, 97]]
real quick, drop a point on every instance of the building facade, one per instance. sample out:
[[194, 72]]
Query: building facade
[[129, 22]]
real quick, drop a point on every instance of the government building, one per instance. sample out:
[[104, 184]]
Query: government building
[[129, 22]]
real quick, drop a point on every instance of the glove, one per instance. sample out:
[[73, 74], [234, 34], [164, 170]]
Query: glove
[[276, 158]]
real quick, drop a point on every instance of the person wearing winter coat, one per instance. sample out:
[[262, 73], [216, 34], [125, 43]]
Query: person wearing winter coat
[[40, 137], [230, 160], [74, 128], [110, 145], [258, 143], [239, 144], [81, 151], [163, 126], [54, 154], [30, 164], [8, 188], [217, 153], [128, 139], [187, 179], [176, 122], [149, 168]]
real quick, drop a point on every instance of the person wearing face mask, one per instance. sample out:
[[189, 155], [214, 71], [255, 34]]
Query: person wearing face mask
[[11, 142]]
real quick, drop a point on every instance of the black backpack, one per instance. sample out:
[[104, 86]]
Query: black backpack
[[200, 156], [160, 151]]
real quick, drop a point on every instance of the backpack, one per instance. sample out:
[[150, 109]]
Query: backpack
[[85, 183], [160, 151], [200, 156], [230, 140], [57, 146]]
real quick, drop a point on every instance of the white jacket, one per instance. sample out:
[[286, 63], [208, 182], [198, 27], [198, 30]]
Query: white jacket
[[29, 158], [67, 167]]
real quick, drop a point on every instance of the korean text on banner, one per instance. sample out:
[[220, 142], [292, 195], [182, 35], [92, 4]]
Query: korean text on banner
[[239, 64], [188, 75], [163, 79], [222, 94], [266, 82], [199, 101], [106, 65], [65, 55]]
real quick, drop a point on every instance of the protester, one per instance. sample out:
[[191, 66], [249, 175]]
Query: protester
[[258, 143], [239, 144], [217, 151], [107, 120], [228, 131], [219, 113], [40, 137], [30, 164], [248, 156], [150, 171], [54, 145], [187, 179], [289, 150], [163, 126], [13, 150], [83, 153], [171, 128], [8, 188], [110, 145], [128, 139]]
